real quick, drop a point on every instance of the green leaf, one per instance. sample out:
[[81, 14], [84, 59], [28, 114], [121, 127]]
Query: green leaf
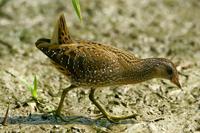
[[77, 8]]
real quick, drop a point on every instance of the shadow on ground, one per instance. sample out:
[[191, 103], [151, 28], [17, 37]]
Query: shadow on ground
[[37, 119]]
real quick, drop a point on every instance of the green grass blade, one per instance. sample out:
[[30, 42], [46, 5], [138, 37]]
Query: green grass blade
[[77, 8]]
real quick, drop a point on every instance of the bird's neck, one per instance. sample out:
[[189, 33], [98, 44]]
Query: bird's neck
[[142, 71]]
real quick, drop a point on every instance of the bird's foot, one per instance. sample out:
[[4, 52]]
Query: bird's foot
[[59, 115], [56, 115], [116, 119]]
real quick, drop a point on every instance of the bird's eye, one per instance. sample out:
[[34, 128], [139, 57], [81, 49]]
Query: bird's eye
[[169, 71]]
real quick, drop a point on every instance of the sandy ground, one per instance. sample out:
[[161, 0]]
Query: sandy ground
[[148, 28]]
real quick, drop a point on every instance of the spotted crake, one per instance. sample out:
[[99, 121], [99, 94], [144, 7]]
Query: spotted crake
[[94, 65]]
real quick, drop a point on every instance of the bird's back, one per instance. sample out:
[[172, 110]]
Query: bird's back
[[90, 64]]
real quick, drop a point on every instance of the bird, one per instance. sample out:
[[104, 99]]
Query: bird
[[95, 65]]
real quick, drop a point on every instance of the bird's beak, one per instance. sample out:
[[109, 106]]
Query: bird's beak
[[176, 82]]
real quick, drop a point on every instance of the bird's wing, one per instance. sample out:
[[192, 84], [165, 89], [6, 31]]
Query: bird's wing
[[91, 56], [122, 54], [86, 63]]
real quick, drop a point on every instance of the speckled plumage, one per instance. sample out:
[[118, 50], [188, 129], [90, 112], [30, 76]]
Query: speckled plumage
[[87, 63], [93, 64], [90, 64]]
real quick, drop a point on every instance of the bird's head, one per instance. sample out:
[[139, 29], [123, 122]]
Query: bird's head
[[164, 68]]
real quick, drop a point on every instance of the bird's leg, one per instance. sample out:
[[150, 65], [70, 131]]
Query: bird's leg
[[109, 117], [58, 111]]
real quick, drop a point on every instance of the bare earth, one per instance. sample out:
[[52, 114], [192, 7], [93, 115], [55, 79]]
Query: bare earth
[[148, 28]]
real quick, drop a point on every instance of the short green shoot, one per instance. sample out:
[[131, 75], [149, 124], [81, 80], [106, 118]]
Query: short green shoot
[[32, 88]]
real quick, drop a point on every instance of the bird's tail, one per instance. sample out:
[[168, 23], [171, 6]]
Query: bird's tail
[[61, 33]]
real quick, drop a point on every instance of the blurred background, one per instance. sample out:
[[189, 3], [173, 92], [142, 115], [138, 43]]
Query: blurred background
[[147, 28]]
